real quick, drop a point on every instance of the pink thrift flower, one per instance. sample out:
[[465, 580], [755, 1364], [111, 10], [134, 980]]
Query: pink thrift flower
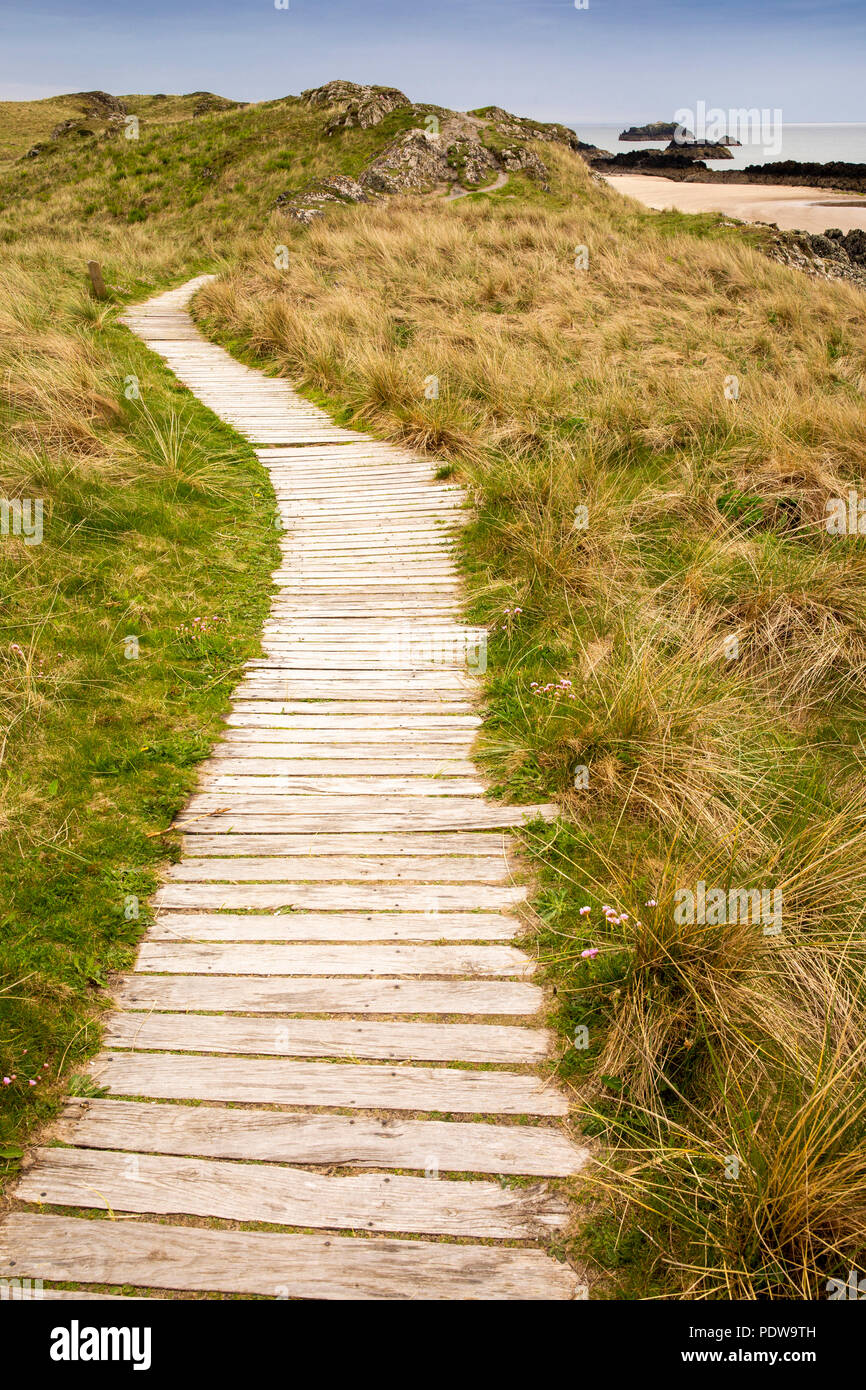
[[590, 953], [585, 910]]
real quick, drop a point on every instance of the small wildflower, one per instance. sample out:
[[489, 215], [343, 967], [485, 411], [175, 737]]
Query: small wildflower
[[650, 902], [590, 953], [7, 1081], [585, 910]]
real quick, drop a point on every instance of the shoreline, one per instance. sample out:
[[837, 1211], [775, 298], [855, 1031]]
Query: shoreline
[[798, 207]]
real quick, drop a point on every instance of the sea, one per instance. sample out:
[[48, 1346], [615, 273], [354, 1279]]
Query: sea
[[807, 143]]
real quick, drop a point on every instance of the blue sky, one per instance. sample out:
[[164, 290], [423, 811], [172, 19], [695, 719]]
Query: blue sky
[[617, 60]]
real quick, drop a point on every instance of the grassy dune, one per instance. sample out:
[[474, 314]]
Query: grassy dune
[[681, 664]]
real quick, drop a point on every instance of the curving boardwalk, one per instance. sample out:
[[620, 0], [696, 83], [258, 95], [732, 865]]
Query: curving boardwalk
[[330, 974]]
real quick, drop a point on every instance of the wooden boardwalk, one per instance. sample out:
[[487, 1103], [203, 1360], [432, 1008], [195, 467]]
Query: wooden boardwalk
[[328, 1027]]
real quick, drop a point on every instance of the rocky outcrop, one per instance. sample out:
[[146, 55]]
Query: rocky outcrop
[[699, 149], [648, 161], [72, 127], [421, 159], [310, 202], [102, 116], [359, 107], [414, 160], [523, 128], [654, 130], [100, 105], [833, 255], [209, 102], [518, 159]]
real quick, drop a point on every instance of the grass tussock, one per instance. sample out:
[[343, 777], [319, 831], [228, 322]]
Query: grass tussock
[[677, 653]]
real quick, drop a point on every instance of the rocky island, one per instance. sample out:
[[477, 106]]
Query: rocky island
[[656, 131]]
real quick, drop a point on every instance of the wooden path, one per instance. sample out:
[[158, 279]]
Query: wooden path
[[328, 1027]]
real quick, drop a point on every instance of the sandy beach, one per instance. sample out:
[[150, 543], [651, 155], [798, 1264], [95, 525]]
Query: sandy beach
[[809, 209]]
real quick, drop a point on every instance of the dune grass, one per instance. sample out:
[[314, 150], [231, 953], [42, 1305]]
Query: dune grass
[[677, 654]]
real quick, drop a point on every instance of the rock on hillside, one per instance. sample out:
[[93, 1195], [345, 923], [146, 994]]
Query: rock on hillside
[[359, 107], [100, 105], [312, 201], [207, 102], [523, 128], [424, 159], [101, 114], [833, 255]]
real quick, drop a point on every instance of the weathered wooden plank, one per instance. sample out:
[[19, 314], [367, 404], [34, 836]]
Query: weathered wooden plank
[[441, 843], [284, 690], [334, 868], [356, 1141], [277, 1265], [285, 994], [353, 743], [308, 1037], [427, 813], [264, 791], [151, 1183], [346, 1086], [265, 959], [348, 718], [335, 897], [333, 926], [330, 734]]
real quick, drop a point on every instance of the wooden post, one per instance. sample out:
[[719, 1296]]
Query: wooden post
[[96, 279]]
